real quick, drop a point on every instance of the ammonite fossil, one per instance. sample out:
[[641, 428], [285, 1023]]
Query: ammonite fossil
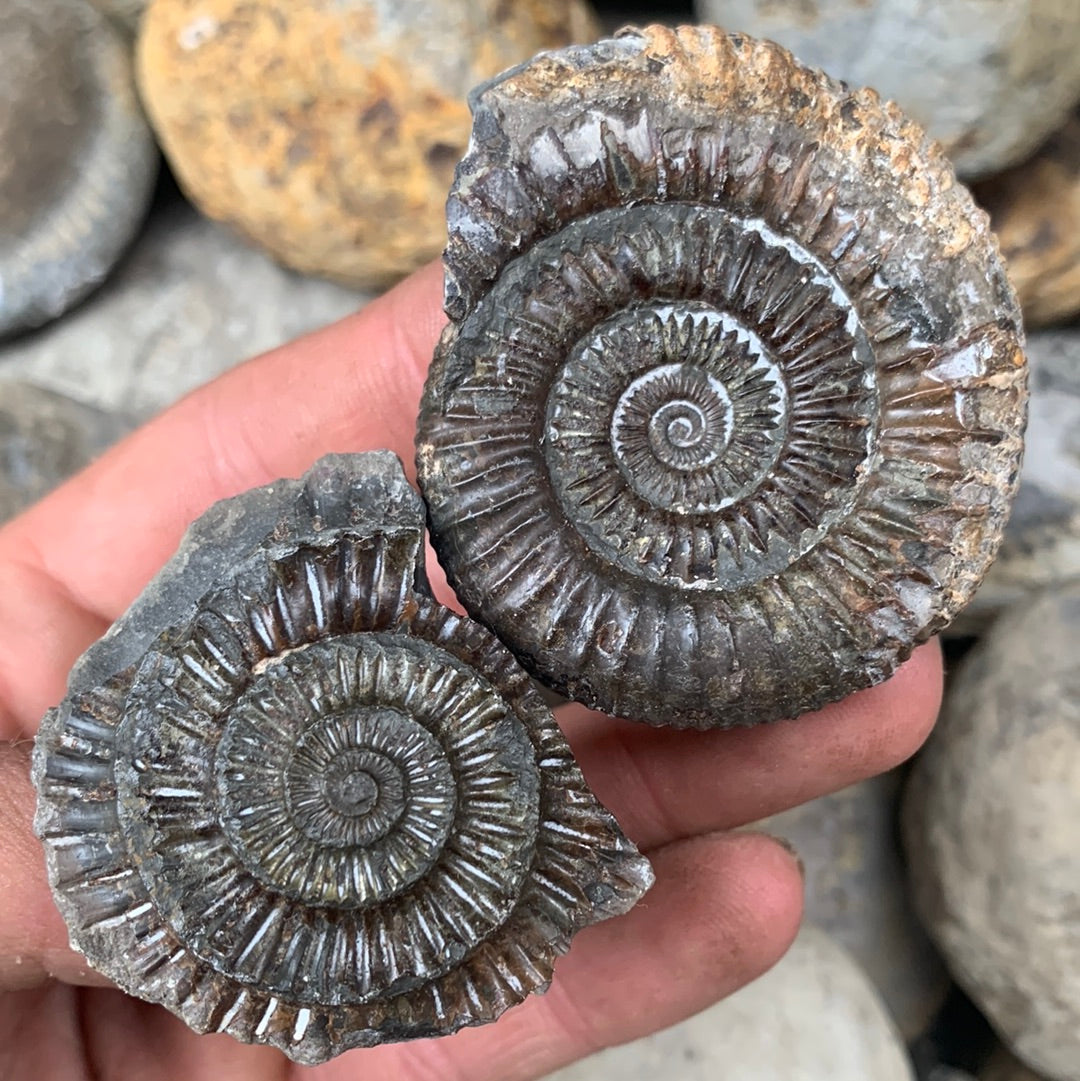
[[729, 412], [292, 798]]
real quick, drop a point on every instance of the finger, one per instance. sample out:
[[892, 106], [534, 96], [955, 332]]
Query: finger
[[33, 938], [723, 910], [663, 784], [73, 563], [660, 784], [64, 1032]]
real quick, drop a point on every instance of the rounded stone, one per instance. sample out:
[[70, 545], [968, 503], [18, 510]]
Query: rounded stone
[[989, 78], [339, 163], [1006, 1067], [79, 162], [990, 829], [1035, 211], [813, 1017], [856, 891], [45, 438], [1041, 546], [189, 301], [126, 13]]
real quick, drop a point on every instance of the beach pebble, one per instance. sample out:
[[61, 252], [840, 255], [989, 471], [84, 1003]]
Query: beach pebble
[[990, 820], [856, 891], [190, 301], [990, 78], [1035, 211], [45, 438], [78, 164], [328, 132]]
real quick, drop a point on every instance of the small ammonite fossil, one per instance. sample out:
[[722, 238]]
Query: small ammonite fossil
[[729, 412], [292, 798]]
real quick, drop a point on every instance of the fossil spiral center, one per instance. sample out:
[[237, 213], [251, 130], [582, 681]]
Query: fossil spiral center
[[679, 426], [684, 412], [708, 426], [342, 791], [700, 419], [354, 794], [347, 785]]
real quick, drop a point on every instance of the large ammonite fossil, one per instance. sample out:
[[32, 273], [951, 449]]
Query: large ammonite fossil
[[728, 415], [292, 798]]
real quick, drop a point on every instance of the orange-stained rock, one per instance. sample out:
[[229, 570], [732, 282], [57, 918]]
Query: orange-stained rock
[[1035, 209], [327, 132]]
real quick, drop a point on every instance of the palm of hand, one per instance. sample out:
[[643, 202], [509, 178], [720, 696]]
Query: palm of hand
[[725, 907]]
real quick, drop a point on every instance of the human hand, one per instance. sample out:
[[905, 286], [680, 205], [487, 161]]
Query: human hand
[[725, 905]]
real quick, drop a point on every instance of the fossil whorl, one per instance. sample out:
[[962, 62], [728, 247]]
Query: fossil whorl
[[292, 798], [729, 411]]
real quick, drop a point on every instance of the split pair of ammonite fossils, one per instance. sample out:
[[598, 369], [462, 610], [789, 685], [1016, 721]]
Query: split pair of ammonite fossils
[[727, 419]]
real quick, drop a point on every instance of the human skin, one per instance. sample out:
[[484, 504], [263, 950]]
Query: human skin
[[726, 904]]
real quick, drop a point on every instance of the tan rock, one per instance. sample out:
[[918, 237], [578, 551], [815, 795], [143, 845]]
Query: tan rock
[[328, 131], [1035, 210], [1004, 1067]]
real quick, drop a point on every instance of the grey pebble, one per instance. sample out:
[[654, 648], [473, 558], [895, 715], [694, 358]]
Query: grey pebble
[[189, 302], [125, 13], [813, 1017], [989, 78], [45, 438], [856, 890], [78, 160]]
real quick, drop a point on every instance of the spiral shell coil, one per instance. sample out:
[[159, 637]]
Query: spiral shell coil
[[727, 417], [319, 811]]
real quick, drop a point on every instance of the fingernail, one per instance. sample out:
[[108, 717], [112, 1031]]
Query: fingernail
[[784, 843]]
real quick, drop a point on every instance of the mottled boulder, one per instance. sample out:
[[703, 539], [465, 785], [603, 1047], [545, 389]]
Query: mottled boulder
[[814, 1017], [44, 439], [1042, 540], [990, 826], [189, 302], [78, 162], [328, 131], [856, 891], [989, 78]]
